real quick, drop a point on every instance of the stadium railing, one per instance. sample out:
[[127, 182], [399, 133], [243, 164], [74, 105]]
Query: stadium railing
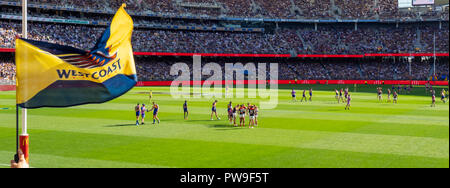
[[4, 82]]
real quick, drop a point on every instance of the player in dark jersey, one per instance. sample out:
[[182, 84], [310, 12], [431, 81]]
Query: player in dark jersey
[[433, 98], [137, 109], [395, 101], [155, 109], [349, 99], [143, 110], [304, 96], [214, 110], [310, 94], [336, 92], [251, 114], [186, 111], [242, 110], [345, 94], [256, 115], [230, 112], [294, 97]]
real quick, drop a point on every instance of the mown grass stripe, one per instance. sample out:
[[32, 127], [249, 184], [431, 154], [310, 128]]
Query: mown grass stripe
[[188, 153], [277, 137]]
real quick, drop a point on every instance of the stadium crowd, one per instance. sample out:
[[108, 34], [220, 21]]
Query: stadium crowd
[[158, 69], [150, 69], [289, 9], [387, 69], [83, 37], [327, 39], [7, 69]]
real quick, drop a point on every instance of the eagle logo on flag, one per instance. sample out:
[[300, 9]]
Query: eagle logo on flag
[[98, 56], [91, 59]]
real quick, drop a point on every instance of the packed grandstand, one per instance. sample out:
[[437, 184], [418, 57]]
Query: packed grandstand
[[294, 27]]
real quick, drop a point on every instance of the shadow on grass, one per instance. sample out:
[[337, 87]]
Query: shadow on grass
[[121, 125], [199, 120], [222, 127]]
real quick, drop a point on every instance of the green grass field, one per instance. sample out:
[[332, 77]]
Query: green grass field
[[316, 134]]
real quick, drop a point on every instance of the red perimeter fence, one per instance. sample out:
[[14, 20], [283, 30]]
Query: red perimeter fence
[[284, 82], [280, 82], [7, 87]]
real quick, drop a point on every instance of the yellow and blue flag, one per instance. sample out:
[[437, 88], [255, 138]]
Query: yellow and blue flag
[[52, 75]]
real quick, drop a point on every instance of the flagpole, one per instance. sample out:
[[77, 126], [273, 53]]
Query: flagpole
[[16, 156], [25, 36], [24, 135]]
